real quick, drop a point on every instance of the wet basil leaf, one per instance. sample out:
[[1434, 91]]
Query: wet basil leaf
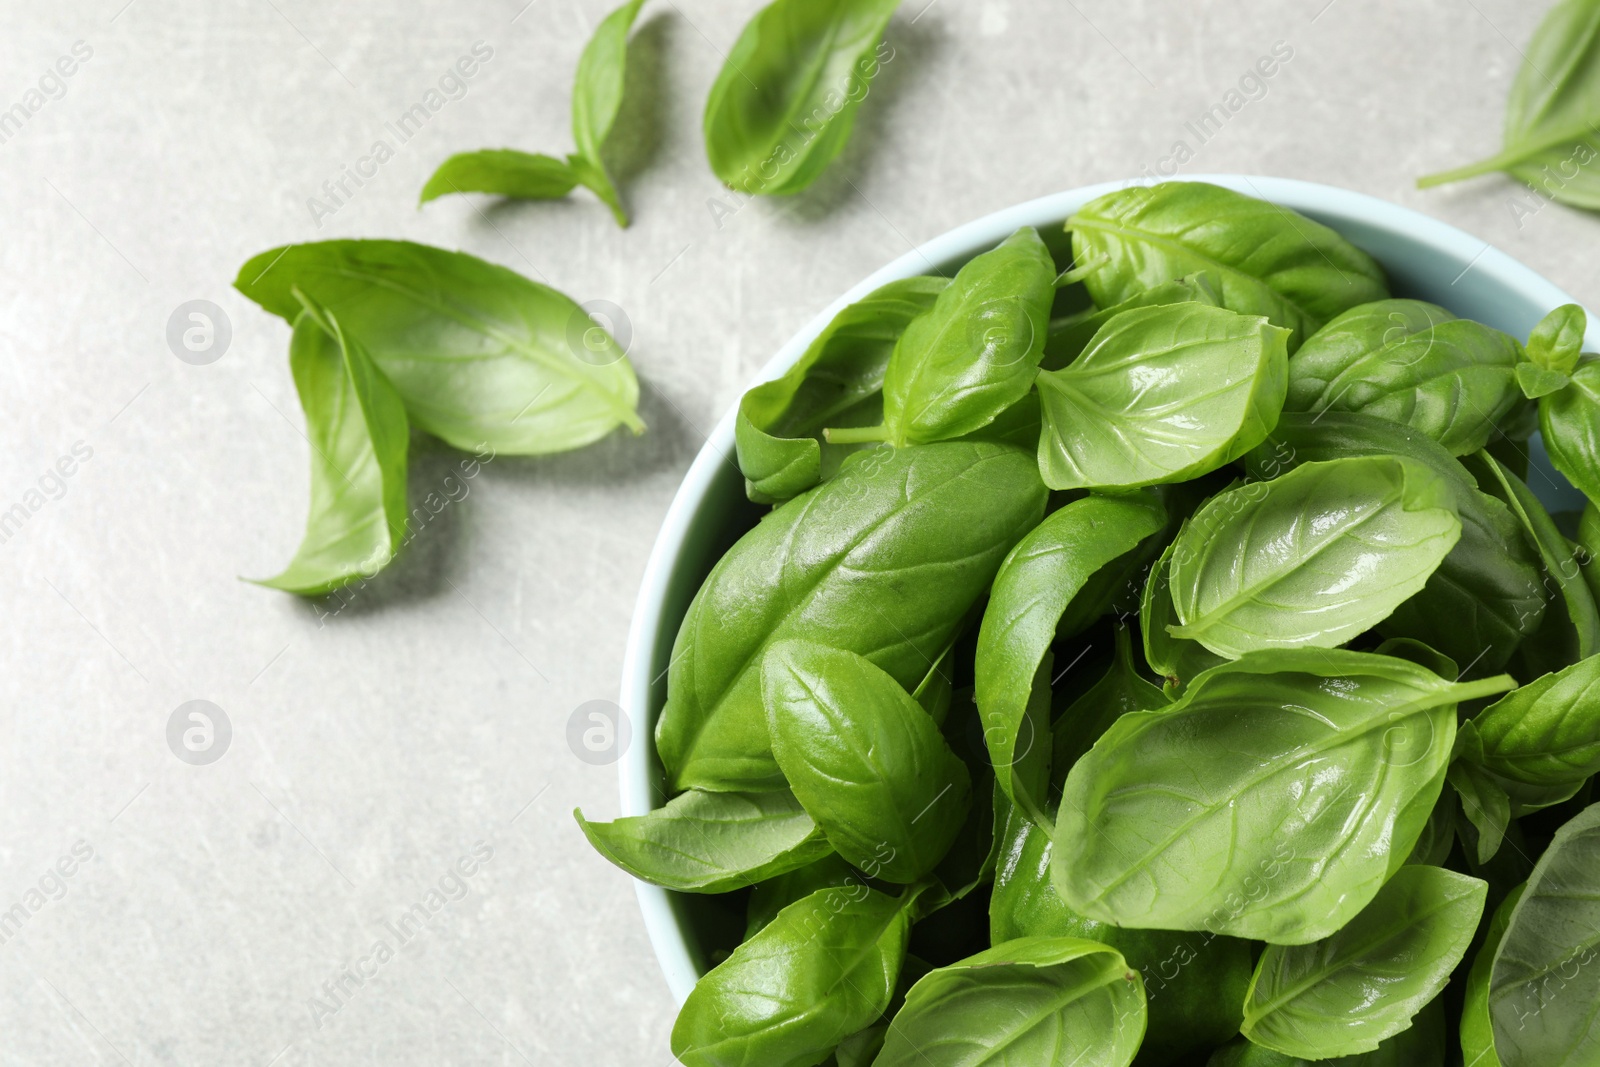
[[1071, 334], [838, 381], [1195, 817], [1161, 394], [1265, 259], [1313, 558], [711, 842], [1354, 989], [481, 356], [1569, 421], [916, 534], [1034, 1000], [1413, 363], [785, 101]]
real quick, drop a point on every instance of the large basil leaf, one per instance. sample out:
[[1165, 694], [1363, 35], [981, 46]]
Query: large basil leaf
[[1070, 334], [819, 972], [974, 355], [1413, 363], [1569, 421], [1356, 988], [482, 357], [885, 559], [1176, 659], [1313, 558], [711, 842], [1422, 1045], [1035, 1000], [785, 101], [838, 381], [1036, 582], [1486, 595], [1548, 732], [1265, 259], [1272, 801], [1544, 986], [1553, 112], [1477, 1032], [864, 759], [1161, 394], [357, 427]]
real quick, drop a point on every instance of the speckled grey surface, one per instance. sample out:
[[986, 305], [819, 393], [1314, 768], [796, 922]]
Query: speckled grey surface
[[425, 723]]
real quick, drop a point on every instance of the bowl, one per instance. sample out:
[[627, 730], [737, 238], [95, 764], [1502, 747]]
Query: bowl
[[1425, 259]]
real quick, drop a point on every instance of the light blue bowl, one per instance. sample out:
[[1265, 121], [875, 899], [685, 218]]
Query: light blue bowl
[[1425, 259]]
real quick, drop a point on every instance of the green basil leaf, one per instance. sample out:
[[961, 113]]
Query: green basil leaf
[[822, 970], [1536, 382], [504, 172], [774, 894], [1421, 1045], [1548, 732], [1553, 114], [711, 842], [1569, 420], [1070, 335], [1544, 985], [1120, 691], [1556, 343], [596, 99], [785, 101], [1485, 804], [1177, 660], [1199, 816], [1413, 363], [1036, 583], [1477, 1033], [1265, 259], [885, 559], [1354, 989], [1161, 394], [1439, 834], [1487, 595], [976, 352], [860, 1049], [1313, 558], [838, 381], [359, 436], [482, 357], [864, 759], [1033, 1000]]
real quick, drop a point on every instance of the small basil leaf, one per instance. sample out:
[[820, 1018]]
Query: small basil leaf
[[1036, 583], [1569, 421], [1120, 691], [917, 532], [1477, 1033], [1313, 558], [861, 1049], [1439, 835], [784, 103], [504, 172], [1486, 806], [776, 893], [1071, 334], [596, 99], [1235, 849], [1176, 659], [1423, 1044], [1556, 342], [838, 381], [864, 759], [822, 970], [1265, 259], [1548, 732], [1161, 394], [357, 427], [1032, 1000], [1536, 381], [711, 842], [482, 357], [1352, 990], [1544, 985], [1413, 363]]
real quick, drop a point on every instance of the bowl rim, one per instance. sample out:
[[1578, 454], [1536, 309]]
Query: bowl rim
[[636, 779]]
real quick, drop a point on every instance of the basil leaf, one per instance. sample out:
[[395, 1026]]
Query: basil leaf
[[1439, 834], [884, 559], [504, 172], [819, 972], [1070, 335], [864, 759], [1486, 596], [776, 893], [711, 842], [1485, 804], [1556, 343], [1536, 382], [1354, 989], [1477, 1033], [976, 352], [596, 99], [1161, 394], [1548, 732], [1313, 558], [1198, 816], [1033, 1000], [1421, 1045], [838, 381], [482, 357], [1553, 114], [1265, 259], [1036, 583], [1120, 691], [1544, 987], [1177, 660], [1413, 363], [359, 436], [1569, 421], [784, 103]]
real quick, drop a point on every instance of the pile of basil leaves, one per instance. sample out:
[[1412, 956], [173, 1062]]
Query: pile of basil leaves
[[1164, 661]]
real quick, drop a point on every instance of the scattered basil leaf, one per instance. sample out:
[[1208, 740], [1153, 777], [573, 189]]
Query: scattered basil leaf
[[784, 103], [504, 172], [1070, 334], [1161, 394]]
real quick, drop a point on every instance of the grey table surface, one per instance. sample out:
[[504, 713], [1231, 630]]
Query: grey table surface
[[211, 910]]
